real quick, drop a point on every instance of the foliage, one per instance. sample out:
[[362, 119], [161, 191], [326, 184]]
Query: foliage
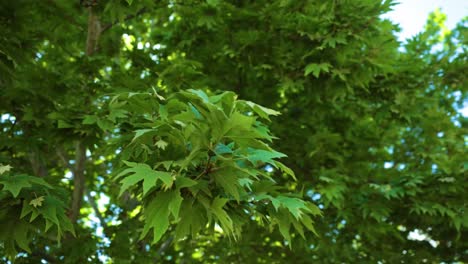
[[205, 155], [123, 139], [19, 197]]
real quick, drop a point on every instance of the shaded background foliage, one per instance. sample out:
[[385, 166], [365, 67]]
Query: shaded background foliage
[[369, 124]]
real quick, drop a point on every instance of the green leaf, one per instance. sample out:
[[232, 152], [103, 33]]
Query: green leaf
[[212, 2], [261, 110], [284, 224], [222, 149], [53, 213], [163, 112], [5, 168], [37, 202], [195, 111], [263, 132], [246, 183], [239, 122], [143, 172], [20, 234], [49, 211], [224, 220], [105, 124], [228, 179], [141, 132], [200, 94], [63, 124], [157, 213], [27, 209], [308, 223], [316, 68], [90, 119], [161, 144], [313, 209], [264, 156], [117, 113], [174, 205], [192, 219], [295, 206], [40, 181], [285, 169], [184, 182], [14, 184]]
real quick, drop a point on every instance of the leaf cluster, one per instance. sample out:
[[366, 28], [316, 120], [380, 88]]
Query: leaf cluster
[[29, 206], [200, 161]]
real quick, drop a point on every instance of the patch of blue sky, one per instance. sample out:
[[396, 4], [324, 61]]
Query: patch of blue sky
[[412, 14]]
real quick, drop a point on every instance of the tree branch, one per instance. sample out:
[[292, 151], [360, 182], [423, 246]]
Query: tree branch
[[94, 31], [78, 180]]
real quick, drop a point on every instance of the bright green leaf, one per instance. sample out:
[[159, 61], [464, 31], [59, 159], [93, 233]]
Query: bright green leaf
[[5, 168], [37, 202], [143, 172]]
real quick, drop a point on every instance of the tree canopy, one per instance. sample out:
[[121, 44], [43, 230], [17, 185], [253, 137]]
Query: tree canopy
[[267, 131]]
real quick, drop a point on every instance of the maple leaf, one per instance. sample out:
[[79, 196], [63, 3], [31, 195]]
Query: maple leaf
[[37, 202], [295, 206], [143, 172], [14, 184], [192, 219], [20, 233], [260, 155], [161, 144], [316, 69], [158, 211], [5, 168], [285, 169], [262, 111], [224, 220], [228, 179]]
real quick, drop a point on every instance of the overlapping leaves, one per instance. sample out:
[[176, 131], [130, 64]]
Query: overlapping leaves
[[206, 156], [22, 196]]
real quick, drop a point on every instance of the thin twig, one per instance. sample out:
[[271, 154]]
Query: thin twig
[[206, 170]]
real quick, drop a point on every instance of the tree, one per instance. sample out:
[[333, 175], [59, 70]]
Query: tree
[[140, 131]]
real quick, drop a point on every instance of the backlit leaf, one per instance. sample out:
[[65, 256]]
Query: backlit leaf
[[37, 202]]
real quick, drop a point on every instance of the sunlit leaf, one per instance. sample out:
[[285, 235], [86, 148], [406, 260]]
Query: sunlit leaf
[[37, 202]]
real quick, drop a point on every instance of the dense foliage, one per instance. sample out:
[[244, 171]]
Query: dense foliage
[[150, 131]]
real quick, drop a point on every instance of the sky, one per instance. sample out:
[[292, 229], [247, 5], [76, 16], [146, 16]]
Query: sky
[[412, 16]]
